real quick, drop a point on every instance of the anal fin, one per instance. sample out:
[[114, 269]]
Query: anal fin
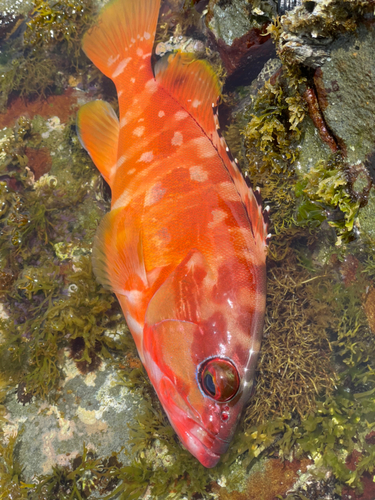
[[117, 254], [98, 130]]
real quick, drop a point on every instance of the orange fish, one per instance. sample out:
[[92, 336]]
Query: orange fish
[[184, 245]]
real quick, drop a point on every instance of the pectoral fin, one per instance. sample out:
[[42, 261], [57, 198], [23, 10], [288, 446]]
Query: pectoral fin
[[117, 254], [98, 130]]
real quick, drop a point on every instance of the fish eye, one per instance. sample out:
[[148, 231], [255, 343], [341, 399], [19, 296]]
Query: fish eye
[[219, 379]]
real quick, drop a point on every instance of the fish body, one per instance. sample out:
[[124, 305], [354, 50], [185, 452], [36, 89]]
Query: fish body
[[184, 245]]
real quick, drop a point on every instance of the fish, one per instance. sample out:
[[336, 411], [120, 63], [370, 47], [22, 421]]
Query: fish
[[184, 244]]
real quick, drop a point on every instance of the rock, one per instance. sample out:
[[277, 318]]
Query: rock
[[92, 410], [346, 92], [238, 32]]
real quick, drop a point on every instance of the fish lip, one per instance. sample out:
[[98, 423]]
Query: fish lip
[[206, 455], [206, 431], [213, 458]]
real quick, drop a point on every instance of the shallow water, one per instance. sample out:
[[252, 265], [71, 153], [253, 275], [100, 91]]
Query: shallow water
[[79, 417]]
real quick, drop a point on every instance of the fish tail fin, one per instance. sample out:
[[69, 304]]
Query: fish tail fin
[[125, 32]]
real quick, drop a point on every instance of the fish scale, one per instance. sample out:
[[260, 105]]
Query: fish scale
[[184, 245]]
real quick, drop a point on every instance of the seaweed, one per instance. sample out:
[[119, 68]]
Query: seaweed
[[326, 187], [49, 292], [51, 41], [63, 21], [10, 471], [275, 125]]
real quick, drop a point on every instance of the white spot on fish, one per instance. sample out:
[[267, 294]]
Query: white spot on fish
[[217, 216], [139, 52], [132, 40], [135, 327], [121, 160], [132, 80], [163, 236], [123, 122], [228, 191], [161, 114], [204, 147], [177, 139], [112, 60], [151, 85], [146, 157], [141, 120], [121, 66], [139, 131], [146, 35], [122, 201], [134, 297], [131, 171], [154, 194], [198, 174], [196, 103], [181, 115], [119, 93]]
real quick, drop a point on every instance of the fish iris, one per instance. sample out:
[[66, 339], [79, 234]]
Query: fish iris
[[219, 379]]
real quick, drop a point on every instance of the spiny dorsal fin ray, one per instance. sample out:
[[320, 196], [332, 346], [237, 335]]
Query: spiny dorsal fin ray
[[250, 198], [98, 130], [193, 84], [117, 254]]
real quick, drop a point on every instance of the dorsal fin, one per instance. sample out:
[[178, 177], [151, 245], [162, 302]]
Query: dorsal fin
[[117, 254], [250, 198], [194, 84], [98, 130]]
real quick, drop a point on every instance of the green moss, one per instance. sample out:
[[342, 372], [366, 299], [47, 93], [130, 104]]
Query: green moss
[[58, 22], [274, 125], [326, 188], [28, 75], [51, 41], [10, 471], [50, 301]]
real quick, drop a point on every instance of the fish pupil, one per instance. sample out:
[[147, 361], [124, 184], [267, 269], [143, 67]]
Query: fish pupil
[[209, 383]]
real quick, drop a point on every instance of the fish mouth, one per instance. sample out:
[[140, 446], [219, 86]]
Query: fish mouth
[[206, 447]]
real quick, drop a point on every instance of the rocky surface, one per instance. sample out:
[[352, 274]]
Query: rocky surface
[[92, 410]]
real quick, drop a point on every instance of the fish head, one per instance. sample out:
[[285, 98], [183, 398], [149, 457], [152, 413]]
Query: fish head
[[200, 354], [203, 398]]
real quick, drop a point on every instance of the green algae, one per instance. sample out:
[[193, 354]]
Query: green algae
[[50, 302], [51, 42], [326, 187]]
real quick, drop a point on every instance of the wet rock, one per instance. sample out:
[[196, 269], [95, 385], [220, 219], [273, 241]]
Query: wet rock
[[346, 92], [286, 5], [91, 410], [230, 21], [238, 32], [337, 41]]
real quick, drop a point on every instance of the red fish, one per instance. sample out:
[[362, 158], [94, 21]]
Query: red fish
[[184, 245]]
